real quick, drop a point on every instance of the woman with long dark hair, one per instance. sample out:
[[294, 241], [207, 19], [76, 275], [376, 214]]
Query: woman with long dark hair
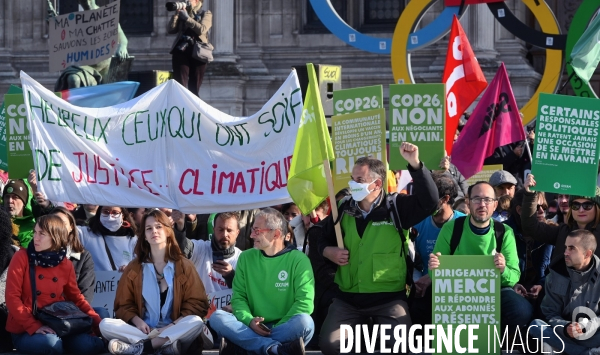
[[160, 298]]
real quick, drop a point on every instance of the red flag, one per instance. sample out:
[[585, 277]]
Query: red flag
[[463, 78], [495, 122]]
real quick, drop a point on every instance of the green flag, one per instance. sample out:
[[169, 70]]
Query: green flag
[[586, 53], [306, 183]]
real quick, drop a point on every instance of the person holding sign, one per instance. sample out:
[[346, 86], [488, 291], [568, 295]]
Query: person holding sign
[[583, 214], [110, 238], [481, 235], [160, 298], [571, 301], [372, 273]]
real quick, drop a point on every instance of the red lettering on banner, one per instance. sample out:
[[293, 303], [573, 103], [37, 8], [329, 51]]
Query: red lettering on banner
[[194, 189], [219, 281]]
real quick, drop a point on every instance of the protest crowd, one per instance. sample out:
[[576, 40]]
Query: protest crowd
[[278, 278]]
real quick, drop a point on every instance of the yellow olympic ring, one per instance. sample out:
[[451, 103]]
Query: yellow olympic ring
[[413, 13]]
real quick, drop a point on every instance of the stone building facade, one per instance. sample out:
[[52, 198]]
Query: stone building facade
[[258, 41]]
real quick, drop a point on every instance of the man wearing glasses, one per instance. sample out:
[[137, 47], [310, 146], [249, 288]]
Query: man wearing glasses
[[273, 293], [372, 269], [479, 237]]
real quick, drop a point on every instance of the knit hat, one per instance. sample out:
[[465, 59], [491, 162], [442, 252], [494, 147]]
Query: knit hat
[[502, 177], [17, 187], [595, 199]]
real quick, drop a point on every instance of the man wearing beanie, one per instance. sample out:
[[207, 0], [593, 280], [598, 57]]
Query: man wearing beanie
[[16, 199]]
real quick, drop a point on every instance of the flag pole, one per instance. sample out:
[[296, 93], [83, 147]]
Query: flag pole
[[333, 204], [528, 150]]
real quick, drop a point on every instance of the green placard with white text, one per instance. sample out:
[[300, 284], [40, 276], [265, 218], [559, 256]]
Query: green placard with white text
[[565, 157], [466, 291], [13, 89], [20, 158], [353, 136], [357, 99], [418, 116]]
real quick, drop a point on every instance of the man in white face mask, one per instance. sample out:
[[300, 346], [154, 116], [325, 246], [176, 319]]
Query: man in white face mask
[[372, 272]]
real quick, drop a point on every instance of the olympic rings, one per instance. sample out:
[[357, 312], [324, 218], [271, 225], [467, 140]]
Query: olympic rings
[[580, 21], [425, 36]]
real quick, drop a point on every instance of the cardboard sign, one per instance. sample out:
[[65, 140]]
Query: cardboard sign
[[356, 135], [357, 99], [565, 156], [218, 300], [106, 289], [484, 174], [466, 291], [417, 115], [84, 37]]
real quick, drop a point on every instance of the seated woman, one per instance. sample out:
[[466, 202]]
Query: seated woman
[[160, 299], [55, 281], [110, 238]]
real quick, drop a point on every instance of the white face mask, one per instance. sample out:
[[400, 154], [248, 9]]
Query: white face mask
[[111, 223], [359, 190]]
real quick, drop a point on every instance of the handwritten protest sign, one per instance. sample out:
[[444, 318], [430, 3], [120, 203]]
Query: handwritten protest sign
[[565, 158], [106, 289], [84, 37], [466, 291], [417, 114], [485, 174], [218, 300], [165, 148], [356, 135], [357, 99]]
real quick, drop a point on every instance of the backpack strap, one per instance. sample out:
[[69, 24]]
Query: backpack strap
[[390, 201], [459, 223]]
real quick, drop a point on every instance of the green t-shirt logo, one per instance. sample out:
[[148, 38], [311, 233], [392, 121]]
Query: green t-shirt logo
[[283, 275]]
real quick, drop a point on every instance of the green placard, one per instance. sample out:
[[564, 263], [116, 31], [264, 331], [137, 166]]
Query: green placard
[[466, 291], [353, 136], [13, 89], [20, 159], [358, 99], [418, 116], [565, 158]]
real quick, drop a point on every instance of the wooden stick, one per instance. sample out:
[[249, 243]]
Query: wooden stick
[[332, 202]]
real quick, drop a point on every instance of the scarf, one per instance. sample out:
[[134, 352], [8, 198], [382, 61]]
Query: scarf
[[45, 258], [227, 253]]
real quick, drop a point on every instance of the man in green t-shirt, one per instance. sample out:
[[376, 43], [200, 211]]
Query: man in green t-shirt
[[273, 293], [478, 238]]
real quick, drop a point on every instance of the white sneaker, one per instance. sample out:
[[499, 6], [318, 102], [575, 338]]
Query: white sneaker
[[207, 338], [118, 347]]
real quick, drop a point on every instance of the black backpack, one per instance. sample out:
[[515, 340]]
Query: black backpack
[[459, 222]]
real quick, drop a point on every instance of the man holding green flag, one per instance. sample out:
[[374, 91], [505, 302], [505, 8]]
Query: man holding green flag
[[586, 52]]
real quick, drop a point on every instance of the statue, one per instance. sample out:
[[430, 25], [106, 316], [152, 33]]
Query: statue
[[88, 75]]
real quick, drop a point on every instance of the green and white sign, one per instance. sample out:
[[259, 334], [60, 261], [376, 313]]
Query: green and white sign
[[357, 99], [20, 158], [466, 291], [13, 89], [417, 115], [356, 135], [565, 158]]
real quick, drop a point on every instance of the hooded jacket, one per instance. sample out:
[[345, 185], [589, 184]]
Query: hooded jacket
[[27, 221]]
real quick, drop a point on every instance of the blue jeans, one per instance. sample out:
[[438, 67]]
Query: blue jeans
[[571, 346], [515, 309], [227, 326], [102, 312], [50, 344]]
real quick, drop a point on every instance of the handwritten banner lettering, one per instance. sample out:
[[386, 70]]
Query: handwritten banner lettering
[[165, 148]]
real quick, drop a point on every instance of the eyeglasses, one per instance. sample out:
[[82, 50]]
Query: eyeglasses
[[544, 207], [257, 231], [575, 206], [483, 200], [111, 213]]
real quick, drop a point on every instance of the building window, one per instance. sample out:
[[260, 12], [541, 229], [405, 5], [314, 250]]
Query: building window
[[314, 24], [381, 15]]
